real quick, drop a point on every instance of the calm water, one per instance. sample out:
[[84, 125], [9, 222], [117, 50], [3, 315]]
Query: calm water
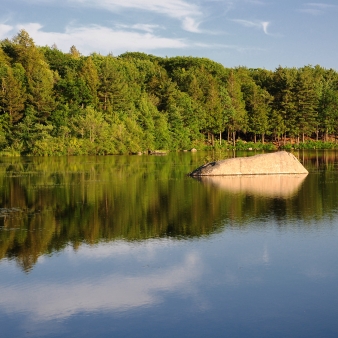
[[129, 246]]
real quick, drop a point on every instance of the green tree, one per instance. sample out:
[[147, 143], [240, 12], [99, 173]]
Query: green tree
[[328, 109], [89, 74], [237, 120], [39, 77], [112, 90], [12, 97], [258, 102], [284, 103], [90, 124], [306, 102]]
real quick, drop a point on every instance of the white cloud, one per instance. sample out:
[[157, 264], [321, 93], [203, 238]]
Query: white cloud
[[95, 38], [190, 25], [255, 24], [5, 30], [104, 40], [265, 25]]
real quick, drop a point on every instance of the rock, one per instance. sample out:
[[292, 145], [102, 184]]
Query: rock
[[280, 162], [193, 150], [158, 152]]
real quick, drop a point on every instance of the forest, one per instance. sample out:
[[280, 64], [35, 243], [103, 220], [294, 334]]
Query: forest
[[56, 103]]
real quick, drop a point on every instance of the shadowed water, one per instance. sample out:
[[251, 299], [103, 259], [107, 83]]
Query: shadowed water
[[132, 246]]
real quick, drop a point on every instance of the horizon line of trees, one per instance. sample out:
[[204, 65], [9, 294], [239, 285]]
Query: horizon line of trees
[[56, 103]]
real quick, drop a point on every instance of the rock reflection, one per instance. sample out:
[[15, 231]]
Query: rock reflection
[[271, 186]]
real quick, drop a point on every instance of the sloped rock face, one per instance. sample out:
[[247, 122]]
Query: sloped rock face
[[280, 162]]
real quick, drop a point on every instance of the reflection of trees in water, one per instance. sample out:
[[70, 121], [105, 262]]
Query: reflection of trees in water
[[318, 159], [73, 200]]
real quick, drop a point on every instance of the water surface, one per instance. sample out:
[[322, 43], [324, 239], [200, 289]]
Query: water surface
[[131, 246]]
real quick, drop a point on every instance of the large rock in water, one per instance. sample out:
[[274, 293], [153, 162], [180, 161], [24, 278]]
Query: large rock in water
[[280, 162]]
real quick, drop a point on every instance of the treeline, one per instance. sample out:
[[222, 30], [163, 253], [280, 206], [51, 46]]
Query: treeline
[[55, 103]]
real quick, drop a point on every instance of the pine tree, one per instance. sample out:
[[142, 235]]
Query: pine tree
[[112, 90], [238, 117], [12, 97], [258, 107], [284, 103], [306, 102], [328, 109]]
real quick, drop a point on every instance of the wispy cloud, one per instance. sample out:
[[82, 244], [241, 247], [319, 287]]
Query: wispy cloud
[[237, 48], [315, 8], [263, 25], [139, 27], [321, 5], [256, 2], [311, 11], [189, 14], [95, 38]]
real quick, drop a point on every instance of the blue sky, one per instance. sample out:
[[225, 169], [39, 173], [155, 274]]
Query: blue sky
[[252, 33]]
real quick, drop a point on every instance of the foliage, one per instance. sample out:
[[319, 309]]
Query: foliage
[[55, 103]]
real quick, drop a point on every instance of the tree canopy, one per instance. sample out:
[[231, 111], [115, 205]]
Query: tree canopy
[[56, 103]]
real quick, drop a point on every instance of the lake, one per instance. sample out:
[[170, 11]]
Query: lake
[[130, 246]]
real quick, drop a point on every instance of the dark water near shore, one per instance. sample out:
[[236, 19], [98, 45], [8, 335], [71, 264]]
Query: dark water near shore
[[130, 246]]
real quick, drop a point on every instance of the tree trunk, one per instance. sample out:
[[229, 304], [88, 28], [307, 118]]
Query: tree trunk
[[263, 138], [255, 139], [220, 138], [234, 138], [303, 137]]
